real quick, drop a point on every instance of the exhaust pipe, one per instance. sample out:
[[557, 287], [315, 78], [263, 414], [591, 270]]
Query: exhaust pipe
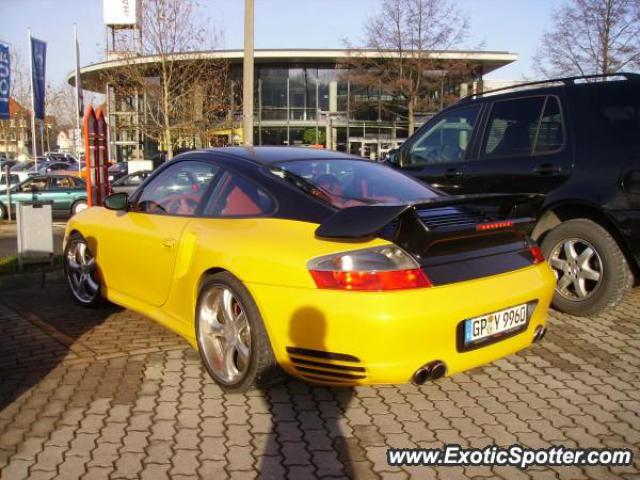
[[431, 371], [539, 334]]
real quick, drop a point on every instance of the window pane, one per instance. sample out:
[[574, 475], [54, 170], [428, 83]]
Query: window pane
[[550, 134], [347, 183], [447, 140], [177, 190], [238, 196], [512, 127]]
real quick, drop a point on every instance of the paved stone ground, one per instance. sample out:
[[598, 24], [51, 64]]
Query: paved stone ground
[[108, 394]]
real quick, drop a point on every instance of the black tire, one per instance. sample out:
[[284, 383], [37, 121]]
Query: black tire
[[615, 276], [91, 299], [78, 204], [262, 370], [3, 212]]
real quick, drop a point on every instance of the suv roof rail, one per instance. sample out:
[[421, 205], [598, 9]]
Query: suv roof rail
[[564, 81]]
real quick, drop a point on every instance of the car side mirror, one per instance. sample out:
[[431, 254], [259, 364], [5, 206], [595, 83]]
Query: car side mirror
[[393, 157], [117, 201]]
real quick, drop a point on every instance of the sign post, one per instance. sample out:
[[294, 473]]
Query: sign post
[[95, 153]]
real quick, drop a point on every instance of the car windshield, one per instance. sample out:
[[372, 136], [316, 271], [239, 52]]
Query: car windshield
[[347, 183]]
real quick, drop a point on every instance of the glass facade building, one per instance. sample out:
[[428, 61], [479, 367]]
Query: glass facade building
[[302, 97]]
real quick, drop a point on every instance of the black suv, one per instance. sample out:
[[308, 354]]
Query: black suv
[[577, 140]]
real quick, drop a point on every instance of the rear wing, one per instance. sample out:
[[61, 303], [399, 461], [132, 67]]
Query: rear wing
[[487, 212]]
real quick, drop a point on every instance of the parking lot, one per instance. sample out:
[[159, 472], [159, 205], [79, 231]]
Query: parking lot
[[109, 394]]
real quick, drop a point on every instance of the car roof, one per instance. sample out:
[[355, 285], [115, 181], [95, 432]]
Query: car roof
[[268, 155]]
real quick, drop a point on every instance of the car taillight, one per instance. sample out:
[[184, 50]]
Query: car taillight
[[371, 269], [536, 253]]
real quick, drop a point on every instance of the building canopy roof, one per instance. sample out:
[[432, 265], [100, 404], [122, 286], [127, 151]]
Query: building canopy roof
[[92, 75]]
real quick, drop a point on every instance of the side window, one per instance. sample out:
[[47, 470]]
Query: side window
[[177, 190], [512, 126], [34, 184], [446, 141], [134, 179], [62, 183], [237, 196], [550, 132]]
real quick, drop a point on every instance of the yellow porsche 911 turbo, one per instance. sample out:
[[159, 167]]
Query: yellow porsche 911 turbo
[[332, 268]]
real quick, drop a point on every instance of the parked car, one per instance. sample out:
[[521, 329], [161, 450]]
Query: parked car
[[4, 162], [68, 194], [22, 169], [13, 180], [130, 182], [49, 167], [577, 140], [118, 170], [329, 274]]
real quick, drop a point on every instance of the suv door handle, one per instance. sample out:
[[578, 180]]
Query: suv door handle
[[547, 169], [452, 173]]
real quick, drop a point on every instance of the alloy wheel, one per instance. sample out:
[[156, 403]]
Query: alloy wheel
[[578, 268], [81, 272], [225, 334]]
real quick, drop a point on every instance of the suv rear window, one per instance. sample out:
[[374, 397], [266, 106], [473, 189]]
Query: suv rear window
[[348, 183]]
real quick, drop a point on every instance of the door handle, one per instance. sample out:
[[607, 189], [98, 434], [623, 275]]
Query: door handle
[[169, 243], [547, 169], [453, 173]]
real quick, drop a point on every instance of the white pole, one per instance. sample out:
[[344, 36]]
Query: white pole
[[78, 113], [247, 75], [34, 142]]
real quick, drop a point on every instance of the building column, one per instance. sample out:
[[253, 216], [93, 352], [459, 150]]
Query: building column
[[333, 108]]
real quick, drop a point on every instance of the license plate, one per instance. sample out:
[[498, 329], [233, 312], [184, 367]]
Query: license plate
[[494, 324]]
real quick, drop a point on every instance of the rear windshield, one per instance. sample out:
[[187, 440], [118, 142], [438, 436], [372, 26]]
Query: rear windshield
[[348, 183]]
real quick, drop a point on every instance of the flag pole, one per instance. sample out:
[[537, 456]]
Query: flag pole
[[34, 139], [78, 93]]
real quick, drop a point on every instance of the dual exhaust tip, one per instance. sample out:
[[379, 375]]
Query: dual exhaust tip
[[437, 369], [539, 334], [431, 371]]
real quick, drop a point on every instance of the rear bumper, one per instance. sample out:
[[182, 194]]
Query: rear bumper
[[385, 337]]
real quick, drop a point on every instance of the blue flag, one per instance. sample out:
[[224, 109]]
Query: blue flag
[[5, 81], [38, 65]]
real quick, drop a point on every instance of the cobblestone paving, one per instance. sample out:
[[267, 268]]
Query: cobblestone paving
[[108, 394]]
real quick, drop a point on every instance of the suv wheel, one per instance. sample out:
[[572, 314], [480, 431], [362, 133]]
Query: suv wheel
[[592, 272]]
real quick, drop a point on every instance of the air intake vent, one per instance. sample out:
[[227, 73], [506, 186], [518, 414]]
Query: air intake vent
[[319, 365], [449, 217]]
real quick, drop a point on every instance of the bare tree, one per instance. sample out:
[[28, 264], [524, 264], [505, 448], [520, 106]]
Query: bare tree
[[405, 37], [591, 37], [183, 91]]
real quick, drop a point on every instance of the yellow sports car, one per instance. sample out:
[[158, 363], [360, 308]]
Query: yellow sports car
[[335, 269]]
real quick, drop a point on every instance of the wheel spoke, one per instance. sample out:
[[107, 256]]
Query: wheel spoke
[[72, 264], [227, 306], [91, 283], [570, 250], [230, 368], [243, 353], [90, 266], [585, 257], [82, 251], [580, 288], [589, 274], [557, 263], [564, 282]]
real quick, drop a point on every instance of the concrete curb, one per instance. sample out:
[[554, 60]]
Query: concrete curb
[[25, 280]]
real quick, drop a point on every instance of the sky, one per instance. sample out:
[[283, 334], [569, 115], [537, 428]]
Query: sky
[[500, 25]]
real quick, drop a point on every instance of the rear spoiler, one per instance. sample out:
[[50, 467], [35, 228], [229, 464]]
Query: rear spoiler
[[507, 212]]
